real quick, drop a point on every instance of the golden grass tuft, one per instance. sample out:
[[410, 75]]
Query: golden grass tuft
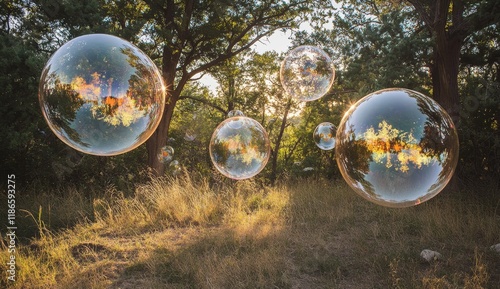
[[161, 203]]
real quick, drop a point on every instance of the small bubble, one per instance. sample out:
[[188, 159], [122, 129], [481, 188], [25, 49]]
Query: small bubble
[[166, 154], [324, 136], [235, 113]]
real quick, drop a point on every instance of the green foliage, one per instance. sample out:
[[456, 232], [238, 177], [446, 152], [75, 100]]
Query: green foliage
[[480, 89], [374, 45], [191, 129], [308, 155], [377, 44], [22, 127], [479, 130]]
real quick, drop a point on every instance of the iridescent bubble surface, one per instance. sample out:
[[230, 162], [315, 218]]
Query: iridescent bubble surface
[[237, 123], [166, 154], [239, 147], [307, 73], [190, 135], [324, 136], [235, 112], [101, 95], [397, 147], [175, 167]]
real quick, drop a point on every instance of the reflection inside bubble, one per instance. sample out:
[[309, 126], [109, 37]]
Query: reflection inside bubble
[[175, 168], [235, 112], [166, 154], [190, 135], [397, 147], [324, 135], [239, 147]]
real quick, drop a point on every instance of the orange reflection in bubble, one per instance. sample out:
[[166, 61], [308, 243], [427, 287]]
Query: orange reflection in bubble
[[395, 148]]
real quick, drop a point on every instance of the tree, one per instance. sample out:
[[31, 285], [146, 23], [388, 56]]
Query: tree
[[194, 36], [21, 115], [450, 22], [185, 38], [479, 83], [20, 66], [374, 45], [379, 44], [250, 82]]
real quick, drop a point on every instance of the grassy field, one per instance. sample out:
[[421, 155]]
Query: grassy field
[[187, 233]]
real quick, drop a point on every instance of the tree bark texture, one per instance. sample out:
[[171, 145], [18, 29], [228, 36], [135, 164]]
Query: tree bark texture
[[274, 156], [449, 26]]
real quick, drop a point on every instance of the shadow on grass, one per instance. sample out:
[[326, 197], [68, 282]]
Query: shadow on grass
[[219, 258]]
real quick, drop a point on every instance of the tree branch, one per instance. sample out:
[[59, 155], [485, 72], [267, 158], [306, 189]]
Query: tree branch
[[229, 52], [417, 4], [227, 55], [204, 101], [487, 15], [198, 78]]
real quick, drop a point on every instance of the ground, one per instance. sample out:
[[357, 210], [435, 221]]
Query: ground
[[185, 233]]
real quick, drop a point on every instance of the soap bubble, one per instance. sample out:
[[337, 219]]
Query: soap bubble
[[397, 147], [324, 136], [237, 122], [239, 151], [166, 154], [194, 126], [235, 112], [190, 135], [307, 73], [101, 95], [175, 167]]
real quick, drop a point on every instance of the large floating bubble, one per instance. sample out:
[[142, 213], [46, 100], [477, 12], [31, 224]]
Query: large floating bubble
[[397, 147], [239, 147], [307, 73], [101, 95], [324, 136]]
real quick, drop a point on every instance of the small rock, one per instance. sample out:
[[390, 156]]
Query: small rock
[[496, 248], [431, 256]]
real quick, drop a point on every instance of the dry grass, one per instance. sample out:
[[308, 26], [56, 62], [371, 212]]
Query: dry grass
[[185, 233]]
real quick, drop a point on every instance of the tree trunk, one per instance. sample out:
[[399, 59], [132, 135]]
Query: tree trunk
[[159, 138], [447, 44], [274, 164], [445, 73]]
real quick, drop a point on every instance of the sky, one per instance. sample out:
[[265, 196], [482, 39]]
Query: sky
[[279, 41]]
